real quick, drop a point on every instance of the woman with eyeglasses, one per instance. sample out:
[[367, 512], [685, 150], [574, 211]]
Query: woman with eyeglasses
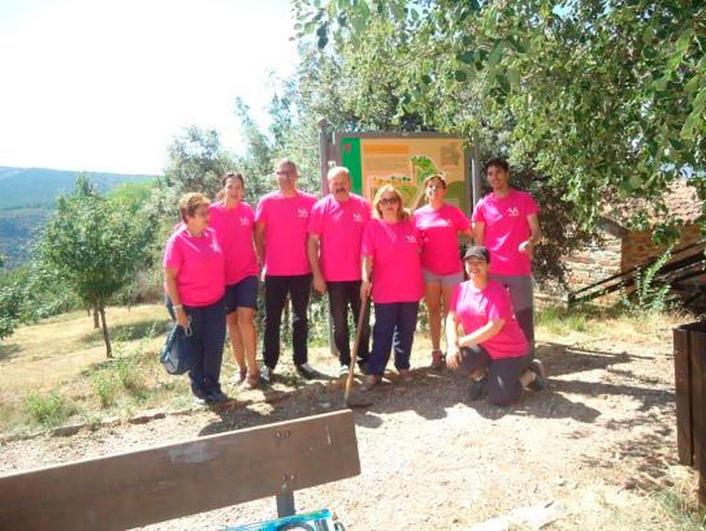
[[492, 351], [392, 272], [194, 280], [440, 224]]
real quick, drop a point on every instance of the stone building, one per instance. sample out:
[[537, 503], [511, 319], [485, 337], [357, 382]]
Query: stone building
[[623, 249]]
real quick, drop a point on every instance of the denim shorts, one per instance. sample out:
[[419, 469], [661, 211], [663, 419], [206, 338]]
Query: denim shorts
[[444, 280], [241, 295]]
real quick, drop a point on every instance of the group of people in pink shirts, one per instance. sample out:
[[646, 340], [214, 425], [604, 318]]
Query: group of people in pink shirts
[[356, 251]]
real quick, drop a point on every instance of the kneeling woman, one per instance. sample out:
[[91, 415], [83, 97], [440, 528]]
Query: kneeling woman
[[194, 279], [494, 352], [391, 265]]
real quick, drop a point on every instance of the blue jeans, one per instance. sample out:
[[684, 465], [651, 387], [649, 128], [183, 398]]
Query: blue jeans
[[208, 326], [395, 323]]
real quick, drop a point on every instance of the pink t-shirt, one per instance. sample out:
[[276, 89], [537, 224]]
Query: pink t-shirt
[[200, 266], [234, 230], [474, 308], [506, 227], [286, 220], [340, 228], [397, 268], [439, 230]]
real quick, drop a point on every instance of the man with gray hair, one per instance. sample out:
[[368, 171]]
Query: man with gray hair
[[335, 233]]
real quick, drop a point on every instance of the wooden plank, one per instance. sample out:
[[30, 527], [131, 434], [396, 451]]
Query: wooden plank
[[157, 484], [697, 348], [682, 382]]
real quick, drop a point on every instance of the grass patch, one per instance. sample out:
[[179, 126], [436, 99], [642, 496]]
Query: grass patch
[[562, 321], [50, 409], [682, 509]]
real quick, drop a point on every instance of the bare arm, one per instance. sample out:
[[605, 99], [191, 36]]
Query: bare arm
[[535, 235], [170, 275], [312, 251], [260, 242], [484, 333], [366, 286], [479, 232]]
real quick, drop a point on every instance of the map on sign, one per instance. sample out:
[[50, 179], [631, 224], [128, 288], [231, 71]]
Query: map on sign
[[405, 163]]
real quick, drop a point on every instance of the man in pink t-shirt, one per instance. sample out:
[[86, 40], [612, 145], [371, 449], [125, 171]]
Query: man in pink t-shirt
[[506, 223], [281, 222], [335, 233]]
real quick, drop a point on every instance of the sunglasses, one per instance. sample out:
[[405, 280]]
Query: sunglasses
[[389, 201]]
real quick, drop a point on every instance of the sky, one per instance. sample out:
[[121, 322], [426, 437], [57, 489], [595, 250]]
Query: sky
[[104, 85]]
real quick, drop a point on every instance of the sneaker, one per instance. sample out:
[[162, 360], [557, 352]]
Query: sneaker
[[267, 374], [307, 372], [199, 401], [540, 378], [405, 375], [216, 396], [437, 360], [343, 371], [370, 381], [477, 390]]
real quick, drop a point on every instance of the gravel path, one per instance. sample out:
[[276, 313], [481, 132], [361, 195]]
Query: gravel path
[[595, 441]]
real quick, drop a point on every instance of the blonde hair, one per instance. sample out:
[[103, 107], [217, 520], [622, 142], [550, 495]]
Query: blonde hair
[[402, 213], [190, 202]]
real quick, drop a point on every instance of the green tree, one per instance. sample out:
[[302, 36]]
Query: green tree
[[607, 98], [93, 247]]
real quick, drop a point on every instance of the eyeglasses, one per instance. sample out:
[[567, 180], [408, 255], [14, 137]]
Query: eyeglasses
[[389, 200]]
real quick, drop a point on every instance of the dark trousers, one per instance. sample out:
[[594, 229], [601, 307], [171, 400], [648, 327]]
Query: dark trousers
[[276, 290], [504, 387], [340, 296], [208, 332], [394, 329]]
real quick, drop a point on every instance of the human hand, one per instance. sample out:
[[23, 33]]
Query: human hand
[[526, 247], [319, 284], [182, 318], [453, 358]]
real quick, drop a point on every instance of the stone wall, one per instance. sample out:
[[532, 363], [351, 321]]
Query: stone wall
[[637, 247], [594, 263]]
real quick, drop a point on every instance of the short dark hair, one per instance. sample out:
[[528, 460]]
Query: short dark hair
[[232, 175], [498, 163]]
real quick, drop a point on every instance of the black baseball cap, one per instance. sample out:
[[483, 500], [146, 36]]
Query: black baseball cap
[[477, 251]]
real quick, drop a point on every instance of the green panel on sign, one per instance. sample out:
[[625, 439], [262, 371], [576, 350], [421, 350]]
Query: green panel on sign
[[350, 158]]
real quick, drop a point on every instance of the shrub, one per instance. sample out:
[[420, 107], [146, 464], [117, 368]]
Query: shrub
[[50, 409], [106, 387]]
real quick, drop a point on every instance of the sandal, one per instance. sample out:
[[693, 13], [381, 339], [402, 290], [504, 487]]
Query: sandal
[[437, 360], [250, 382]]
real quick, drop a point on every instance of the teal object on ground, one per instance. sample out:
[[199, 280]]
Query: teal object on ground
[[316, 521]]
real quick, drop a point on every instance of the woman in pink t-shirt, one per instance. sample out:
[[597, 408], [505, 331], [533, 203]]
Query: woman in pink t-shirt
[[233, 220], [494, 352], [392, 271], [440, 224], [194, 280]]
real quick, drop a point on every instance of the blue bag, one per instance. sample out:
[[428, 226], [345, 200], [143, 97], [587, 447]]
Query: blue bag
[[176, 355]]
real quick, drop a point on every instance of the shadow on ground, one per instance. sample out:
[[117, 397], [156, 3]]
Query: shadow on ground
[[8, 350], [432, 393]]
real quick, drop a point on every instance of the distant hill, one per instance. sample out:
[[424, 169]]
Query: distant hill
[[27, 198], [21, 187]]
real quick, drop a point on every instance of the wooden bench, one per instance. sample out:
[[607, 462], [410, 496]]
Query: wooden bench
[[157, 484]]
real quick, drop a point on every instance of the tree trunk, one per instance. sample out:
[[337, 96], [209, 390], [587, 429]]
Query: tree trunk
[[96, 323], [106, 338]]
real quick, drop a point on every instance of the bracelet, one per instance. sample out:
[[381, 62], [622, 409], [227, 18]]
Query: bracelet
[[178, 307]]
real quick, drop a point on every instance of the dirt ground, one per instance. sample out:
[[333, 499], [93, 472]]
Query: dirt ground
[[600, 443]]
